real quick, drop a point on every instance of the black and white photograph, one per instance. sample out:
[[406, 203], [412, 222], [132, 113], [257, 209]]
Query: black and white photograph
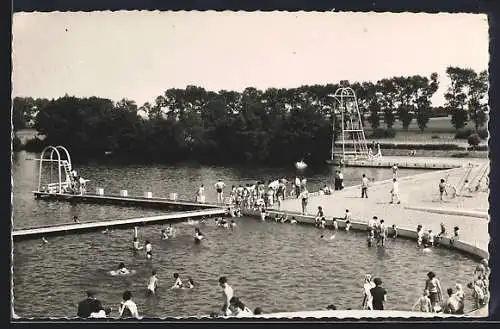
[[258, 165]]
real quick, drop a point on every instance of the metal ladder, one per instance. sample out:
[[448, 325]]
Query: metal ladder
[[67, 169], [461, 184], [479, 177]]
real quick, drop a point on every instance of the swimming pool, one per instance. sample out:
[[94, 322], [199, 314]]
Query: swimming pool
[[278, 267]]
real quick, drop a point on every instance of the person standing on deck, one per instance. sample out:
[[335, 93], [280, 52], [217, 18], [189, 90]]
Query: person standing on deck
[[227, 294], [379, 151], [395, 171], [297, 187], [442, 189], [364, 186], [395, 191], [219, 187], [304, 197], [200, 194]]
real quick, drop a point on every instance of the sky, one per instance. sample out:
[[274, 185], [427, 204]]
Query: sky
[[140, 54]]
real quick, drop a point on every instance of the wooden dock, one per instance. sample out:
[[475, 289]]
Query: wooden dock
[[163, 203], [32, 233]]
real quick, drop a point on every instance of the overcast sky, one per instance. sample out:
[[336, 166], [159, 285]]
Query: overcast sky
[[138, 55]]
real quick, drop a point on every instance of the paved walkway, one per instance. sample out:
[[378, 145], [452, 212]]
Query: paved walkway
[[418, 191]]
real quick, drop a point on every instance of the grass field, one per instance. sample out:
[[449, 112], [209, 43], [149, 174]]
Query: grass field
[[440, 128]]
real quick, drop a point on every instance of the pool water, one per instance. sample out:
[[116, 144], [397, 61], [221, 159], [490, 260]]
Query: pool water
[[278, 267]]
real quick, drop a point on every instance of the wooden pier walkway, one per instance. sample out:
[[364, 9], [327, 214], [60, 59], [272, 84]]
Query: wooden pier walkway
[[123, 223], [163, 203]]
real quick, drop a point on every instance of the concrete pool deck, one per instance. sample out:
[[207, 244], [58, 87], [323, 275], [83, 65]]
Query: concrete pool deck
[[413, 162], [420, 204]]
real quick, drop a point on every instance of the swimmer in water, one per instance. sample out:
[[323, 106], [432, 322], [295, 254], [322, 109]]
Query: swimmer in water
[[263, 214], [149, 255], [198, 236], [122, 270], [322, 223], [136, 244], [148, 247], [75, 219], [293, 221], [106, 231], [347, 225], [394, 232], [170, 231], [153, 283], [45, 241], [430, 238], [335, 224], [178, 282], [331, 237], [164, 235], [371, 237], [426, 249], [420, 235], [233, 223], [190, 284], [224, 223]]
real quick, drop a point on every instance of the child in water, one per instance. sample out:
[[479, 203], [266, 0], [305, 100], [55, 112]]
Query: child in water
[[456, 234], [423, 303], [394, 233], [136, 244], [148, 247], [190, 284], [371, 236], [198, 236], [430, 238], [178, 281], [153, 283], [347, 225], [122, 270], [335, 224], [164, 235], [322, 223]]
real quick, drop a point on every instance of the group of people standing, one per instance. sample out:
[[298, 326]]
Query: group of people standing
[[431, 300]]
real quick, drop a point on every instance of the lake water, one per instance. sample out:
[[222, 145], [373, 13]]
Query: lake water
[[279, 267]]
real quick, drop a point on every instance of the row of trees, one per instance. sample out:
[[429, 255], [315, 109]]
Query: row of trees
[[274, 125]]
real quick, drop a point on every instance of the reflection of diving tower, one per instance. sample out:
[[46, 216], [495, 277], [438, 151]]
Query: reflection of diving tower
[[353, 136]]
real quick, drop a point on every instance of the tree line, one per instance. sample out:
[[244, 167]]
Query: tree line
[[273, 126]]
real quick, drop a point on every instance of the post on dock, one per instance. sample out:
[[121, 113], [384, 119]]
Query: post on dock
[[173, 196], [123, 193], [148, 195], [135, 232], [99, 191]]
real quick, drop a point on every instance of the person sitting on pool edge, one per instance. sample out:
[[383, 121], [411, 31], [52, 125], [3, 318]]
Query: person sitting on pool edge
[[128, 308], [89, 305]]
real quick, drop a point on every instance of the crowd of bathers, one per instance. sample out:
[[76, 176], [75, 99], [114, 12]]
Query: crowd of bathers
[[260, 196]]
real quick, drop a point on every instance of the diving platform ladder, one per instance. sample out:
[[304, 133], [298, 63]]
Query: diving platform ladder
[[353, 139]]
